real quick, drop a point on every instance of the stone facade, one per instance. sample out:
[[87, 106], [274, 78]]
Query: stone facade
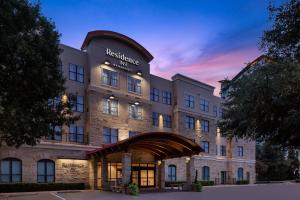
[[71, 161]]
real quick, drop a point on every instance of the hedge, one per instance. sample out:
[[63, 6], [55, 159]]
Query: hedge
[[242, 182], [297, 180], [170, 183], [32, 187], [207, 183]]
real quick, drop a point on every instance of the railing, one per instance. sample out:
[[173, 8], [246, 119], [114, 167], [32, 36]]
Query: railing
[[225, 181], [65, 138]]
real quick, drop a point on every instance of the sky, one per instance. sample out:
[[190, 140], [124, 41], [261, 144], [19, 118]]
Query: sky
[[207, 40]]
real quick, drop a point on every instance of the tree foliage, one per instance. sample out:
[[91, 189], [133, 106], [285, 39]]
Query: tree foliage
[[29, 74], [282, 40]]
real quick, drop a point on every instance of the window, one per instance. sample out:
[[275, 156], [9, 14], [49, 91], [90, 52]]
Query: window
[[110, 78], [240, 174], [205, 146], [55, 133], [223, 150], [167, 97], [240, 151], [11, 170], [204, 126], [189, 101], [110, 106], [76, 134], [110, 135], [135, 111], [217, 150], [132, 133], [189, 122], [134, 85], [54, 103], [155, 119], [205, 173], [76, 73], [167, 121], [154, 94], [204, 105], [172, 173], [221, 112], [215, 111], [78, 105], [45, 171]]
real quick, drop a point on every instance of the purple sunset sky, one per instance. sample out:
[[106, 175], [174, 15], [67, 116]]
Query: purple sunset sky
[[207, 40]]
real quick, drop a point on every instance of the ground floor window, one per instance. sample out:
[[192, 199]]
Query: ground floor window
[[205, 173], [11, 170], [240, 174], [114, 171], [45, 171], [172, 172]]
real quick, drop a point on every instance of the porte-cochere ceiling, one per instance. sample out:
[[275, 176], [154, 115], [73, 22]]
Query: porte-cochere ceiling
[[161, 145]]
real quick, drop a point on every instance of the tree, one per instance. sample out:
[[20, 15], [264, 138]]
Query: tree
[[29, 75], [283, 39]]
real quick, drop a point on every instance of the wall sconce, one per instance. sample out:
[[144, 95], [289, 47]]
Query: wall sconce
[[139, 73], [112, 97], [136, 103], [106, 62], [159, 162], [187, 159]]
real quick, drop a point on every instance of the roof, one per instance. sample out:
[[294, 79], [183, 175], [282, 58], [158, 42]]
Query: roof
[[161, 145], [116, 36], [182, 77]]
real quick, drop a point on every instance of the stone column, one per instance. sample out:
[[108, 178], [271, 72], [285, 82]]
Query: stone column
[[190, 170], [104, 174], [162, 174], [94, 172], [126, 168]]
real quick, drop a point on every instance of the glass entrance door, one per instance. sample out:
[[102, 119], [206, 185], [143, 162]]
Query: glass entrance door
[[147, 178], [223, 177], [143, 175]]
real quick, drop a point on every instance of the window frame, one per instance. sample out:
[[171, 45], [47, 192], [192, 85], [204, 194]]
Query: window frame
[[137, 89], [173, 175], [189, 124], [76, 73], [223, 150], [167, 123], [45, 163], [110, 78], [110, 109], [154, 119], [109, 135], [240, 151], [205, 173], [205, 146], [76, 134], [135, 112], [11, 174], [204, 105], [189, 101], [166, 97], [240, 174], [204, 126], [154, 94]]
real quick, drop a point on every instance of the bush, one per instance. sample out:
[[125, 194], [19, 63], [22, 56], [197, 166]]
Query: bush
[[297, 180], [133, 189], [197, 186], [169, 183], [32, 187], [242, 182], [207, 183]]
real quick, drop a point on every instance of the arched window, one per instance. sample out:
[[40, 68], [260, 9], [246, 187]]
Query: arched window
[[240, 174], [11, 170], [205, 173], [45, 171], [172, 172]]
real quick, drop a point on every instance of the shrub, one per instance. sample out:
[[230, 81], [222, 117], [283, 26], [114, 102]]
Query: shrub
[[169, 183], [242, 182], [32, 187], [197, 186], [297, 180], [133, 189], [207, 183]]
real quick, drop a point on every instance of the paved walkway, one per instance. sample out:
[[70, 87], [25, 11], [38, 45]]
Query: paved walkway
[[249, 192]]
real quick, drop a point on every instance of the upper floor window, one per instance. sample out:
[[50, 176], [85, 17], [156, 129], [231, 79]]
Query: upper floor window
[[45, 171], [240, 174], [11, 170], [135, 111], [205, 146], [134, 85], [189, 122], [167, 121], [110, 106], [132, 133], [53, 103], [223, 150], [78, 105], [215, 111], [172, 173], [240, 151], [189, 101], [76, 73], [205, 126], [76, 134], [221, 112], [155, 119], [167, 97], [204, 105], [154, 94], [110, 135], [56, 133], [205, 173], [110, 78]]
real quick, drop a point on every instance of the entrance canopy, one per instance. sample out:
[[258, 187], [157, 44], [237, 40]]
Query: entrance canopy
[[161, 145]]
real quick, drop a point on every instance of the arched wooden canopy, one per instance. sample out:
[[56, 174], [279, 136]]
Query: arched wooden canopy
[[161, 145]]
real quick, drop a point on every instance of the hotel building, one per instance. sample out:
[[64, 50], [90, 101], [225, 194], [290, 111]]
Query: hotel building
[[133, 127]]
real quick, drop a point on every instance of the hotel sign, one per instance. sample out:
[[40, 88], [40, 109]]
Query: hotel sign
[[123, 60]]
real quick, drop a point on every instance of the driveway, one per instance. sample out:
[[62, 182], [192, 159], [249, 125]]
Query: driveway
[[249, 192]]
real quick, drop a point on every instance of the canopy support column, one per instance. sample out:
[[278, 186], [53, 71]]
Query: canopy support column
[[190, 170], [126, 168], [104, 174]]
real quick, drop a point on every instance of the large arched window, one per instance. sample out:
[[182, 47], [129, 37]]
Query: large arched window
[[11, 170], [45, 171], [172, 173], [240, 174], [205, 173]]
